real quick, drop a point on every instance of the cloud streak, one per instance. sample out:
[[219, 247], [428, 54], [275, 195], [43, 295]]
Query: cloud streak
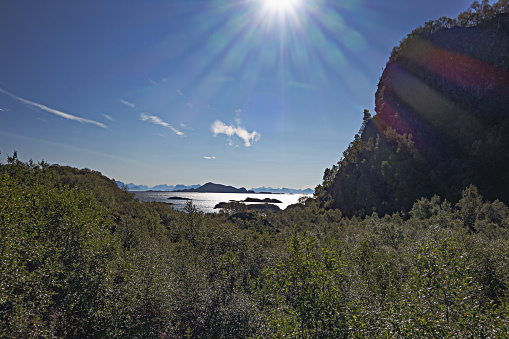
[[158, 121], [209, 158], [52, 110], [127, 103], [184, 126], [219, 127]]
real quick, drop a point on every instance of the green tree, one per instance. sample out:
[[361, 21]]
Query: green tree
[[304, 292]]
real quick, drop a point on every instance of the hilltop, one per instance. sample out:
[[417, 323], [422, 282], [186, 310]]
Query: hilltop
[[441, 122]]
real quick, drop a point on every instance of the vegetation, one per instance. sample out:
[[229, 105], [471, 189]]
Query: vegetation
[[396, 243], [475, 15], [82, 258], [441, 122]]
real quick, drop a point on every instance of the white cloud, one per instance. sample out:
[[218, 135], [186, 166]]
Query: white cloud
[[53, 111], [190, 105], [209, 158], [108, 117], [180, 92], [238, 110], [158, 121], [127, 103], [219, 127]]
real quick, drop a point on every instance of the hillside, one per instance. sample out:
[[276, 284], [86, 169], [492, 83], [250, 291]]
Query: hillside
[[441, 123]]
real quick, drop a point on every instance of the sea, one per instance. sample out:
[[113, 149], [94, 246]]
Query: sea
[[205, 202]]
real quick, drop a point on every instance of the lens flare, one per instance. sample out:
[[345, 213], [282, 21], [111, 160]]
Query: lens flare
[[281, 5]]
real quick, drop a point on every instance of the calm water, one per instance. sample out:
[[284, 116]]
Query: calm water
[[205, 202]]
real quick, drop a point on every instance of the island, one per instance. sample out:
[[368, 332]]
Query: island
[[266, 200], [265, 207], [216, 188]]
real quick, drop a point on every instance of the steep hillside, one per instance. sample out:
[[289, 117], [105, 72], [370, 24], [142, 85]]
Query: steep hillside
[[441, 123]]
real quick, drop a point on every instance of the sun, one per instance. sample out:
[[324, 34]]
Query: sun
[[281, 5]]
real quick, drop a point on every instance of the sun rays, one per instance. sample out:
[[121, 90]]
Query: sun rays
[[282, 5]]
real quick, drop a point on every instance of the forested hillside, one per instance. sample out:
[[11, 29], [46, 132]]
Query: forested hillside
[[441, 122]]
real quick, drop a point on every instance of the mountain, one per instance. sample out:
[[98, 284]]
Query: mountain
[[164, 187], [441, 122], [131, 186], [216, 188], [183, 187], [283, 190]]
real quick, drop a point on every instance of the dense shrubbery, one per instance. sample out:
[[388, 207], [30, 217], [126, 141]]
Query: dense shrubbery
[[82, 258]]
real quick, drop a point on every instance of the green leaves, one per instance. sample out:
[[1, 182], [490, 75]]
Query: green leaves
[[53, 242], [305, 291]]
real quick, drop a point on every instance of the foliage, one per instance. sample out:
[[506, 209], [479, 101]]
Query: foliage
[[304, 292], [54, 242], [73, 266], [441, 121], [476, 14]]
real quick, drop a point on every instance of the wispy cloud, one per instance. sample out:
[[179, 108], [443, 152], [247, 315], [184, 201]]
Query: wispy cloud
[[209, 158], [127, 103], [52, 110], [184, 126], [108, 117], [219, 127], [237, 116], [158, 121], [180, 93]]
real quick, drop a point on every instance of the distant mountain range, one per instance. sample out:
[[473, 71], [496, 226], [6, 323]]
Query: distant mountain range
[[210, 187], [283, 190]]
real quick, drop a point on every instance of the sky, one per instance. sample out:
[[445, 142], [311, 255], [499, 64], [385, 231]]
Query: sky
[[246, 93]]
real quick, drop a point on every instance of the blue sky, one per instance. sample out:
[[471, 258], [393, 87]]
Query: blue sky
[[239, 92]]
